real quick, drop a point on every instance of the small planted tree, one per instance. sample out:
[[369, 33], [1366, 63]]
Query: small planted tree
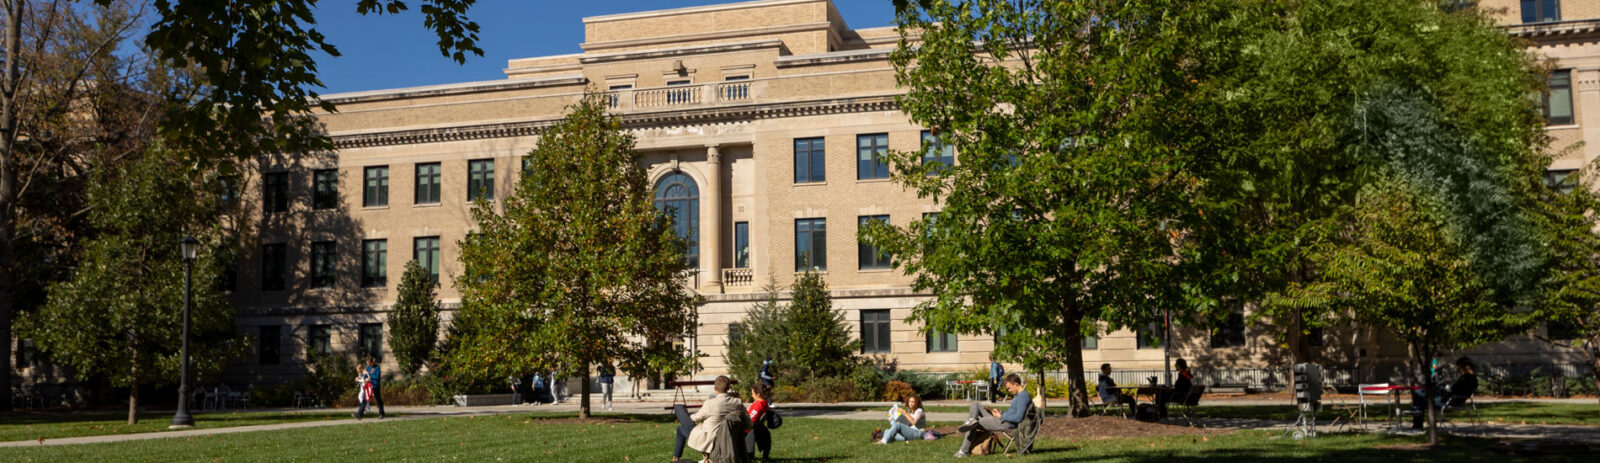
[[805, 338], [414, 322], [576, 267], [1570, 296]]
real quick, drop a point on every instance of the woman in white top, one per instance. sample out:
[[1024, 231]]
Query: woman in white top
[[905, 424]]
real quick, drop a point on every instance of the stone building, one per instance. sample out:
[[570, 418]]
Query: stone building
[[763, 117]]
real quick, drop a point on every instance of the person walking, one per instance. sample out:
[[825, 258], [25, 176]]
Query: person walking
[[996, 371], [375, 377], [766, 373], [557, 384], [539, 388], [608, 377]]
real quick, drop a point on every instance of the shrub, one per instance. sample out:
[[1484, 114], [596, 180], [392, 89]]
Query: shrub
[[897, 391], [929, 386], [829, 389], [332, 376], [414, 322], [1053, 388]]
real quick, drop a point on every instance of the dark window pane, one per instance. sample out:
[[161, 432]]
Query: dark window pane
[[1558, 104], [678, 198], [428, 183], [480, 179], [936, 152], [319, 341], [274, 267], [810, 244], [322, 264], [1230, 333], [270, 343], [869, 256], [370, 341], [275, 192], [1149, 336], [375, 190], [1563, 180], [426, 253], [809, 163], [1536, 11], [1091, 342], [875, 332], [374, 263], [939, 341], [869, 156], [741, 245], [325, 189]]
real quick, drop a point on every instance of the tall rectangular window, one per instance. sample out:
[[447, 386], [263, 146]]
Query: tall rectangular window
[[375, 193], [319, 340], [322, 264], [480, 180], [939, 341], [810, 245], [869, 256], [428, 183], [1148, 336], [275, 192], [1229, 333], [869, 156], [741, 245], [374, 263], [325, 189], [1562, 180], [274, 267], [809, 160], [370, 341], [1538, 11], [1558, 103], [1090, 342], [936, 152], [875, 332], [426, 252], [229, 188], [270, 342]]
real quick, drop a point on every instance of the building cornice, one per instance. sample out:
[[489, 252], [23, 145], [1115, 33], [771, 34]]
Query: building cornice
[[682, 51], [837, 57], [705, 36], [1554, 30], [692, 10], [454, 89], [633, 120]]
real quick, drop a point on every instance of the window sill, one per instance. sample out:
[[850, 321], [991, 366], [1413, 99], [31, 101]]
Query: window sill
[[874, 180], [1562, 127], [875, 270], [375, 208], [428, 205], [803, 272], [800, 184]]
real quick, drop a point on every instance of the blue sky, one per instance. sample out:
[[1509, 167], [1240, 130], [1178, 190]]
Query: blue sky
[[382, 52]]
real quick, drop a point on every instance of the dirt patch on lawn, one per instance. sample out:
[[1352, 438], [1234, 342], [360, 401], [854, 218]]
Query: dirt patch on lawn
[[1106, 427]]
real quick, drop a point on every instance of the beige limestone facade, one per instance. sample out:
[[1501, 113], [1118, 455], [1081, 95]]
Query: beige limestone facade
[[727, 95]]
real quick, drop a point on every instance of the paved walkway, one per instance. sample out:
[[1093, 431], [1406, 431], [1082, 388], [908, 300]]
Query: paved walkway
[[840, 411]]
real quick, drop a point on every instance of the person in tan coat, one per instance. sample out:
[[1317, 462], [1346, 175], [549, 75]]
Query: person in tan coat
[[714, 417]]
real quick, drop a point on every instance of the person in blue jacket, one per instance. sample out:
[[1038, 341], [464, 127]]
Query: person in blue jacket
[[766, 372], [980, 418], [996, 371], [539, 389], [608, 378], [375, 375]]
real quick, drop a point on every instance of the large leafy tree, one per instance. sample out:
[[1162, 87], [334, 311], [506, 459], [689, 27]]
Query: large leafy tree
[[250, 89], [414, 322], [1054, 217], [1570, 296], [120, 314], [577, 267], [1292, 124]]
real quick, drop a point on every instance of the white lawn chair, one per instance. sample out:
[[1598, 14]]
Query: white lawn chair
[[1364, 390]]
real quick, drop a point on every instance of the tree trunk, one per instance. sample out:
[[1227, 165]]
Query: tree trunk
[[1422, 356], [133, 404], [1594, 364], [1078, 391], [8, 186], [1044, 391], [583, 400]]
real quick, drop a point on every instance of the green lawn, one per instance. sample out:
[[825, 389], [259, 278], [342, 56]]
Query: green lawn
[[33, 426], [1499, 412], [523, 437]]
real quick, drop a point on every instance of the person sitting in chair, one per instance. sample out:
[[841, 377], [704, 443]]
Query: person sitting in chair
[[1111, 394], [981, 419], [712, 436], [1456, 393]]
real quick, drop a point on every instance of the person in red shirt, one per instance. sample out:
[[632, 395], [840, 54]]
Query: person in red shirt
[[758, 436]]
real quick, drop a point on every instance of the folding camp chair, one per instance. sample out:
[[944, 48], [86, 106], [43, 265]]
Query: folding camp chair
[[1027, 430]]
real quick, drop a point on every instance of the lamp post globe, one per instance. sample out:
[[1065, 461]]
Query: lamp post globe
[[189, 246]]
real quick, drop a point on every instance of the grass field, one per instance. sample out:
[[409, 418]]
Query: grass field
[[1499, 412], [33, 426], [523, 437]]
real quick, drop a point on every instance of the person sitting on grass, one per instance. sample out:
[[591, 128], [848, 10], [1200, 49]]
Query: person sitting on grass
[[905, 424], [981, 420], [757, 436]]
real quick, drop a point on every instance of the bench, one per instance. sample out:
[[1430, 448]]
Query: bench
[[678, 397], [481, 400], [1229, 388]]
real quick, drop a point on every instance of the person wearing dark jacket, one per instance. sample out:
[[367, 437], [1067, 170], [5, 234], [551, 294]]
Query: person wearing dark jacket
[[1454, 394], [375, 375]]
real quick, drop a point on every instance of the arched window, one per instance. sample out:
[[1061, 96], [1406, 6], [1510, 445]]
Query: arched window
[[679, 199]]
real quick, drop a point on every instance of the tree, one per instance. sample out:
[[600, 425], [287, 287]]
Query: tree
[[805, 338], [1055, 217], [577, 267], [252, 63], [414, 322], [1570, 296], [762, 334], [1291, 94], [120, 314]]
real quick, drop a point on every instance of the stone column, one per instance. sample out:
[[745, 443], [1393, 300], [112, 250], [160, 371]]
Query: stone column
[[711, 224]]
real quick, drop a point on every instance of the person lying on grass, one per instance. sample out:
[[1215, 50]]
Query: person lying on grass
[[981, 420]]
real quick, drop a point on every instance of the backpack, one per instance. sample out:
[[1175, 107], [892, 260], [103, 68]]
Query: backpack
[[773, 420], [988, 446]]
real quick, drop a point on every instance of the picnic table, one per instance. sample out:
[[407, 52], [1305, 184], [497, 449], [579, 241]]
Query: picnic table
[[1394, 393]]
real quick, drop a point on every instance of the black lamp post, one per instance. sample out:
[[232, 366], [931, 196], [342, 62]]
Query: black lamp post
[[182, 419]]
